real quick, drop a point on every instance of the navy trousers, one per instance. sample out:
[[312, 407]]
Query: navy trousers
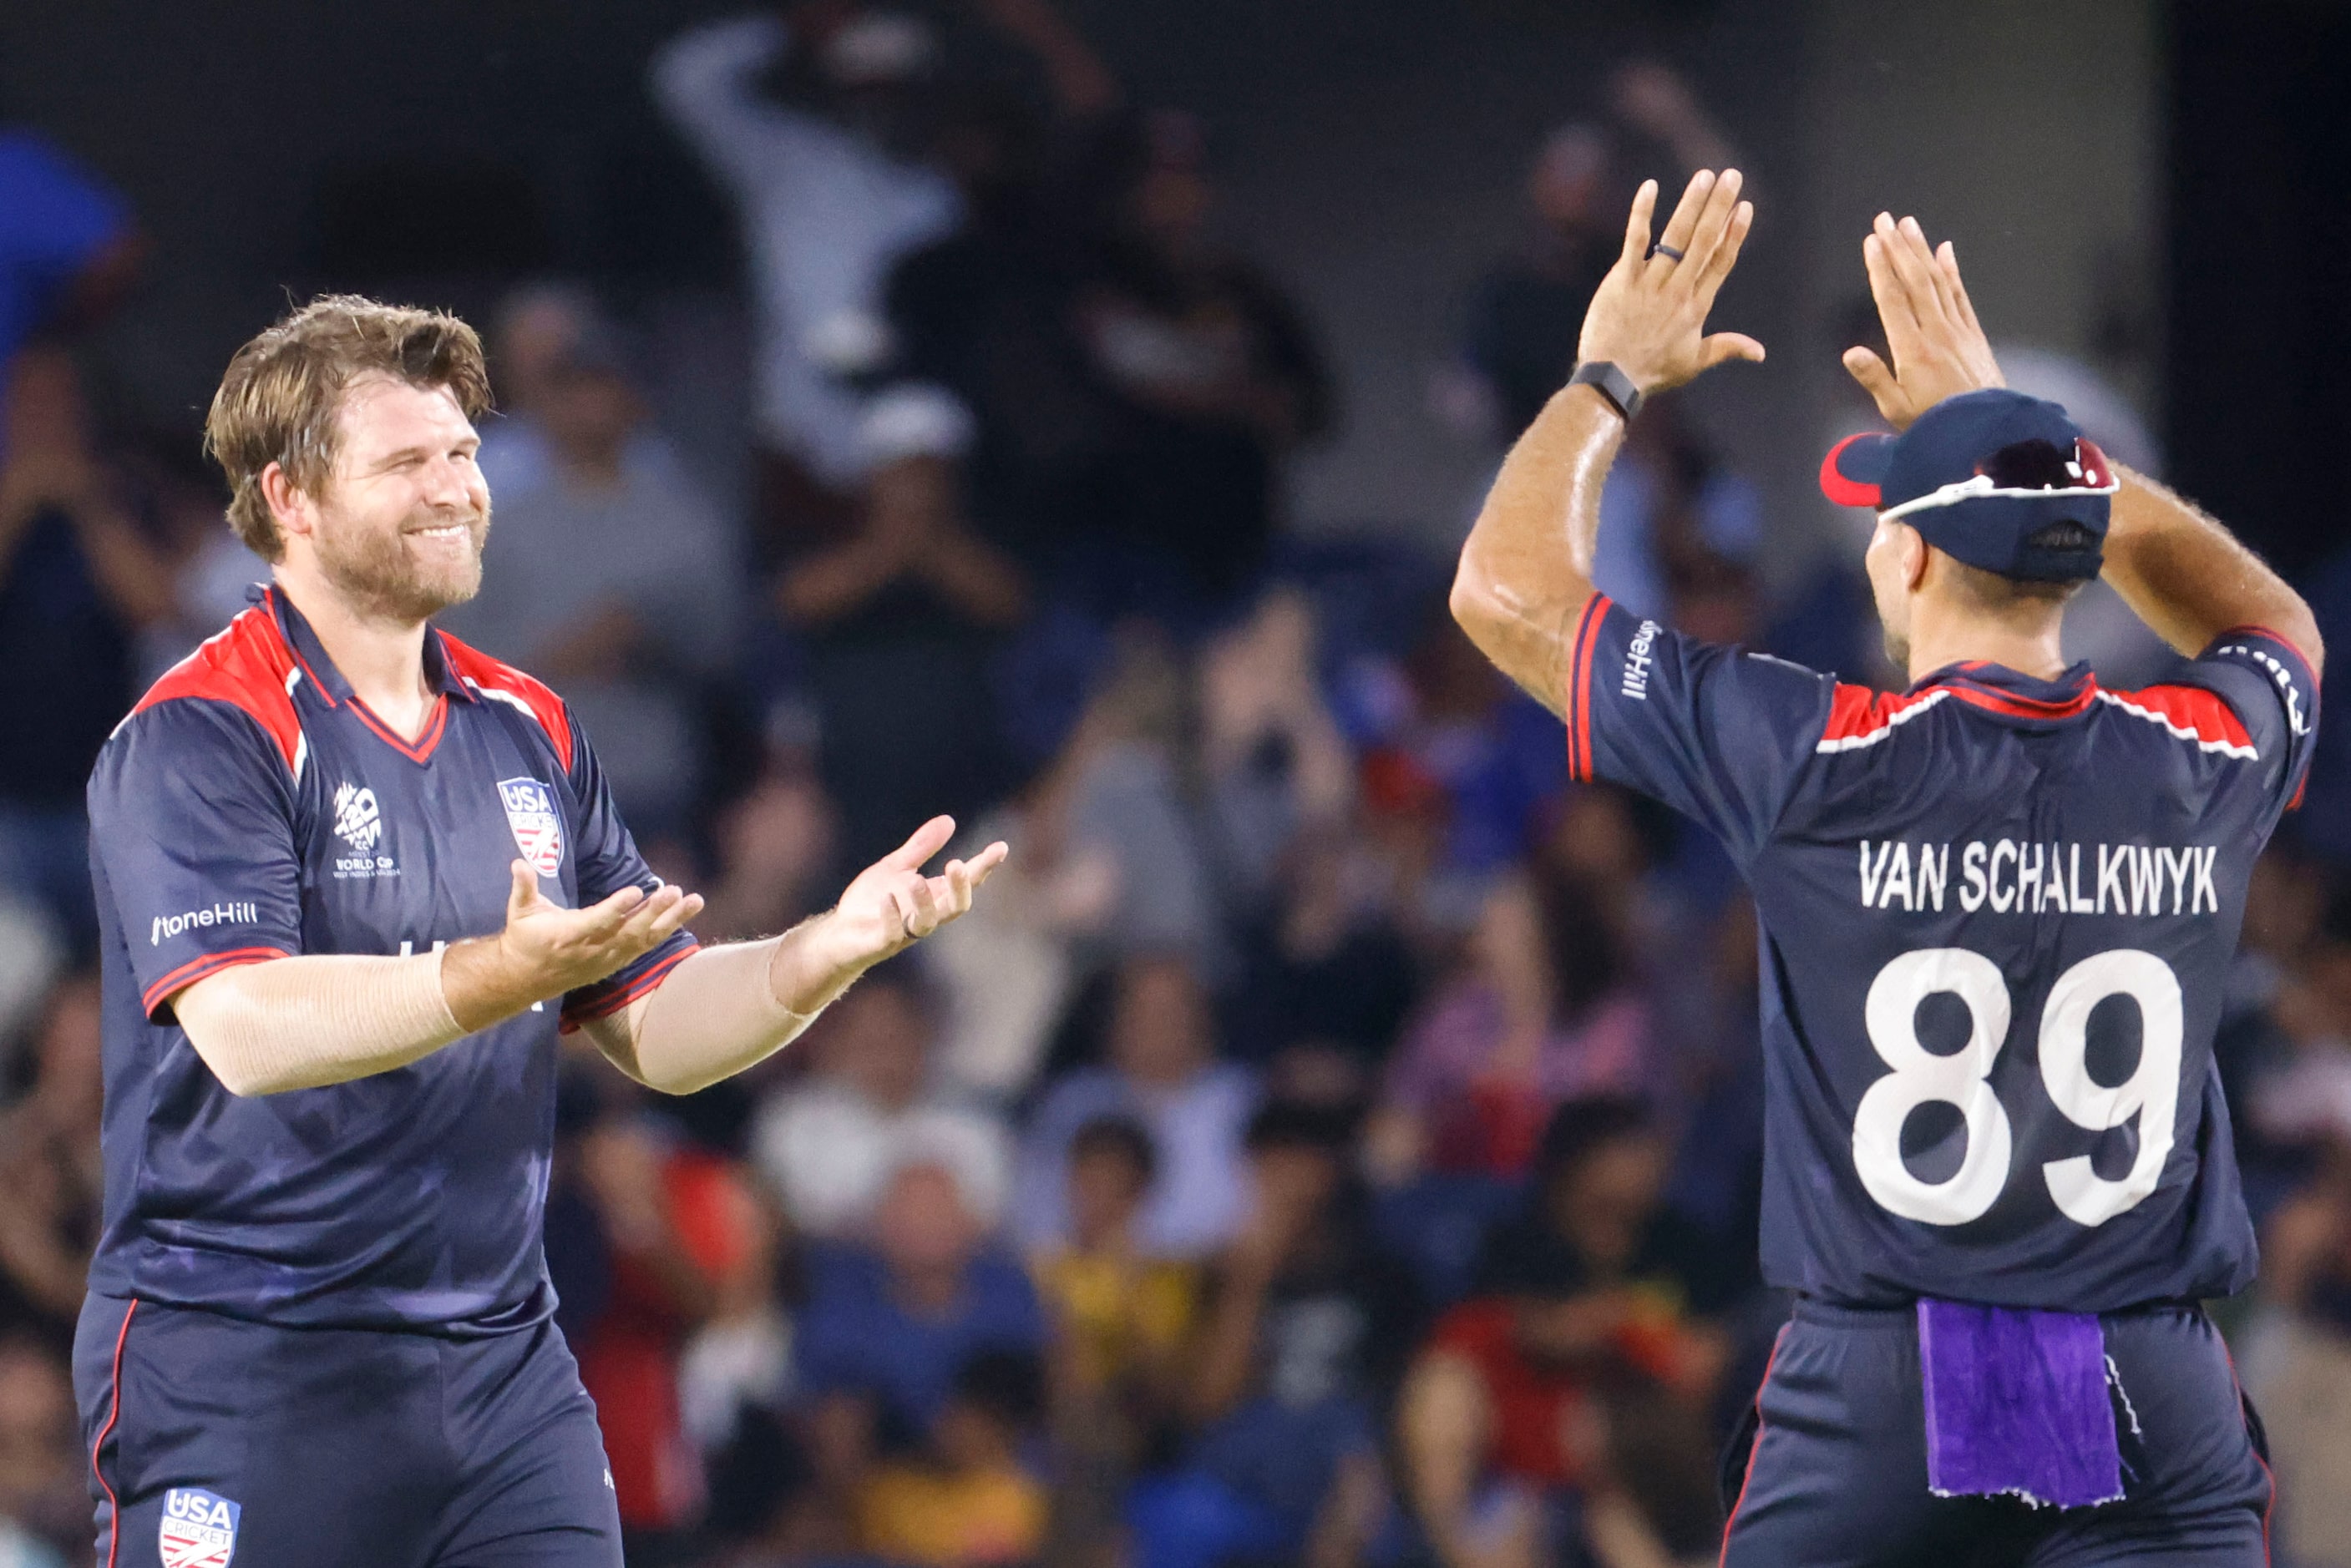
[[1830, 1469], [214, 1442]]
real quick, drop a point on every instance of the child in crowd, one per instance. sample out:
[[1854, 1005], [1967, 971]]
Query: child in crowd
[[966, 1501]]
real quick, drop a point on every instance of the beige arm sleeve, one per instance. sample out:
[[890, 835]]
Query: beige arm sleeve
[[711, 1017], [302, 1023]]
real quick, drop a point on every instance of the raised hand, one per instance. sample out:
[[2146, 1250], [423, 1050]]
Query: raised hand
[[1648, 316], [891, 904], [1939, 347], [546, 949]]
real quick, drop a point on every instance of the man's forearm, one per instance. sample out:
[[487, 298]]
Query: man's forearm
[[726, 1009], [307, 1022], [2189, 579], [1526, 570]]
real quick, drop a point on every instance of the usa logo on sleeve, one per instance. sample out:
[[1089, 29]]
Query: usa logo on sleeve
[[537, 830], [199, 1529]]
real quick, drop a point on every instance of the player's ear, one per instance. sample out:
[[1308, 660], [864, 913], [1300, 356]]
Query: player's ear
[[1911, 554], [289, 508]]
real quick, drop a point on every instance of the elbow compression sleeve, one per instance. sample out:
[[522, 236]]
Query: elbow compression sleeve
[[714, 1015], [303, 1022]]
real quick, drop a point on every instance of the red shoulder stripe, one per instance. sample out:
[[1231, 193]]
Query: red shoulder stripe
[[1859, 716], [2190, 712], [247, 664], [504, 683]]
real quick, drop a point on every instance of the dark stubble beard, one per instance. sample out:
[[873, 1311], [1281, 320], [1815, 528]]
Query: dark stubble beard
[[372, 569], [1898, 650]]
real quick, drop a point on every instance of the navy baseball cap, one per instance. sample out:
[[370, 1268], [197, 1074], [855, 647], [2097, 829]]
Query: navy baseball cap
[[1983, 476]]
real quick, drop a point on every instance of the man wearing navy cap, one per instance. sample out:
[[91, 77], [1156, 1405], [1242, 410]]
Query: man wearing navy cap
[[1996, 910]]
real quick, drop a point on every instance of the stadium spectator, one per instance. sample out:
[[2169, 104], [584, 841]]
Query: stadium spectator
[[1456, 767], [900, 617], [44, 1511], [2302, 1376], [829, 1144], [664, 1232], [69, 246], [615, 580], [1518, 342], [49, 1169], [1162, 1071], [1302, 1333], [1541, 1010], [824, 126], [1120, 1318], [78, 579], [1215, 376], [535, 354], [888, 1322], [966, 1501], [1564, 1408], [809, 120]]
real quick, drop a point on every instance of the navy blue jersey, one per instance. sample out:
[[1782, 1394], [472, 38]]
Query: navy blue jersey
[[250, 808], [1996, 916]]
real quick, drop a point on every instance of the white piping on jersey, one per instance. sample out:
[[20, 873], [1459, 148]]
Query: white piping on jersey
[[301, 736], [508, 698], [2226, 748], [1871, 738]]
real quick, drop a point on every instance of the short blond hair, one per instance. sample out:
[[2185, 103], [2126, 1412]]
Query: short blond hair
[[280, 396]]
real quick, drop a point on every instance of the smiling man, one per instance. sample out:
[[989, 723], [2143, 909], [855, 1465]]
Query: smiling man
[[353, 879]]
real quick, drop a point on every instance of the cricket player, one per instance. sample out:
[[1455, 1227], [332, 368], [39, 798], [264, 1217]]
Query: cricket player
[[1996, 912], [353, 879]]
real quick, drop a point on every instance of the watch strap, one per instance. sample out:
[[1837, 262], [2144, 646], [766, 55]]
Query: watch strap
[[1603, 378]]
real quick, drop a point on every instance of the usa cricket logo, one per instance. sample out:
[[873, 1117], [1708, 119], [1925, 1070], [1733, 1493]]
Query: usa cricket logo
[[199, 1529], [537, 830]]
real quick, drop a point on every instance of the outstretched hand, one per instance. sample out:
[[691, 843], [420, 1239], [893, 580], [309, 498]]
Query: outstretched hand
[[546, 949], [1939, 347], [1650, 314], [891, 904]]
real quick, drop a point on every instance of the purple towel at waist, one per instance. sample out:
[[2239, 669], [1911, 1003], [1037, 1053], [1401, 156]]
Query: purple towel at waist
[[2017, 1404]]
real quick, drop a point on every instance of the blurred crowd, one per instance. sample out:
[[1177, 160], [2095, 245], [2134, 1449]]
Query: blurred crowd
[[1335, 1138]]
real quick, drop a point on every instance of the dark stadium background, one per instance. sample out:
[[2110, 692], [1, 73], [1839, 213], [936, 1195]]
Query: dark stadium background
[[2158, 195]]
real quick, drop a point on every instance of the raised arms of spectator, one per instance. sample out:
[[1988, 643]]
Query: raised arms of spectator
[[1655, 98], [2181, 571], [1526, 570], [706, 81]]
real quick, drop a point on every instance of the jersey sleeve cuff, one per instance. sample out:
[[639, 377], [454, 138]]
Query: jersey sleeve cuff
[[611, 996], [157, 997], [1577, 708], [2284, 644]]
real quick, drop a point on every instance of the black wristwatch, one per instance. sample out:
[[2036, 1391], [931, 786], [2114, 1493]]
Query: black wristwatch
[[1611, 383]]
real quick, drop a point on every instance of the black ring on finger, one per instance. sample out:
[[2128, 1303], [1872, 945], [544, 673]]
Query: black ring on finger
[[1666, 251]]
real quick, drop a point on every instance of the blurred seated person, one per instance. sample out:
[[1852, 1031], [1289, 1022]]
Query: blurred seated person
[[2300, 1371], [887, 1322], [1163, 1073], [827, 1143], [80, 576], [1564, 1408], [901, 617], [43, 1501], [535, 349], [615, 581], [49, 1169], [1540, 1011], [1457, 765], [1302, 1337], [648, 1237], [965, 1500], [1120, 1319], [1214, 374]]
